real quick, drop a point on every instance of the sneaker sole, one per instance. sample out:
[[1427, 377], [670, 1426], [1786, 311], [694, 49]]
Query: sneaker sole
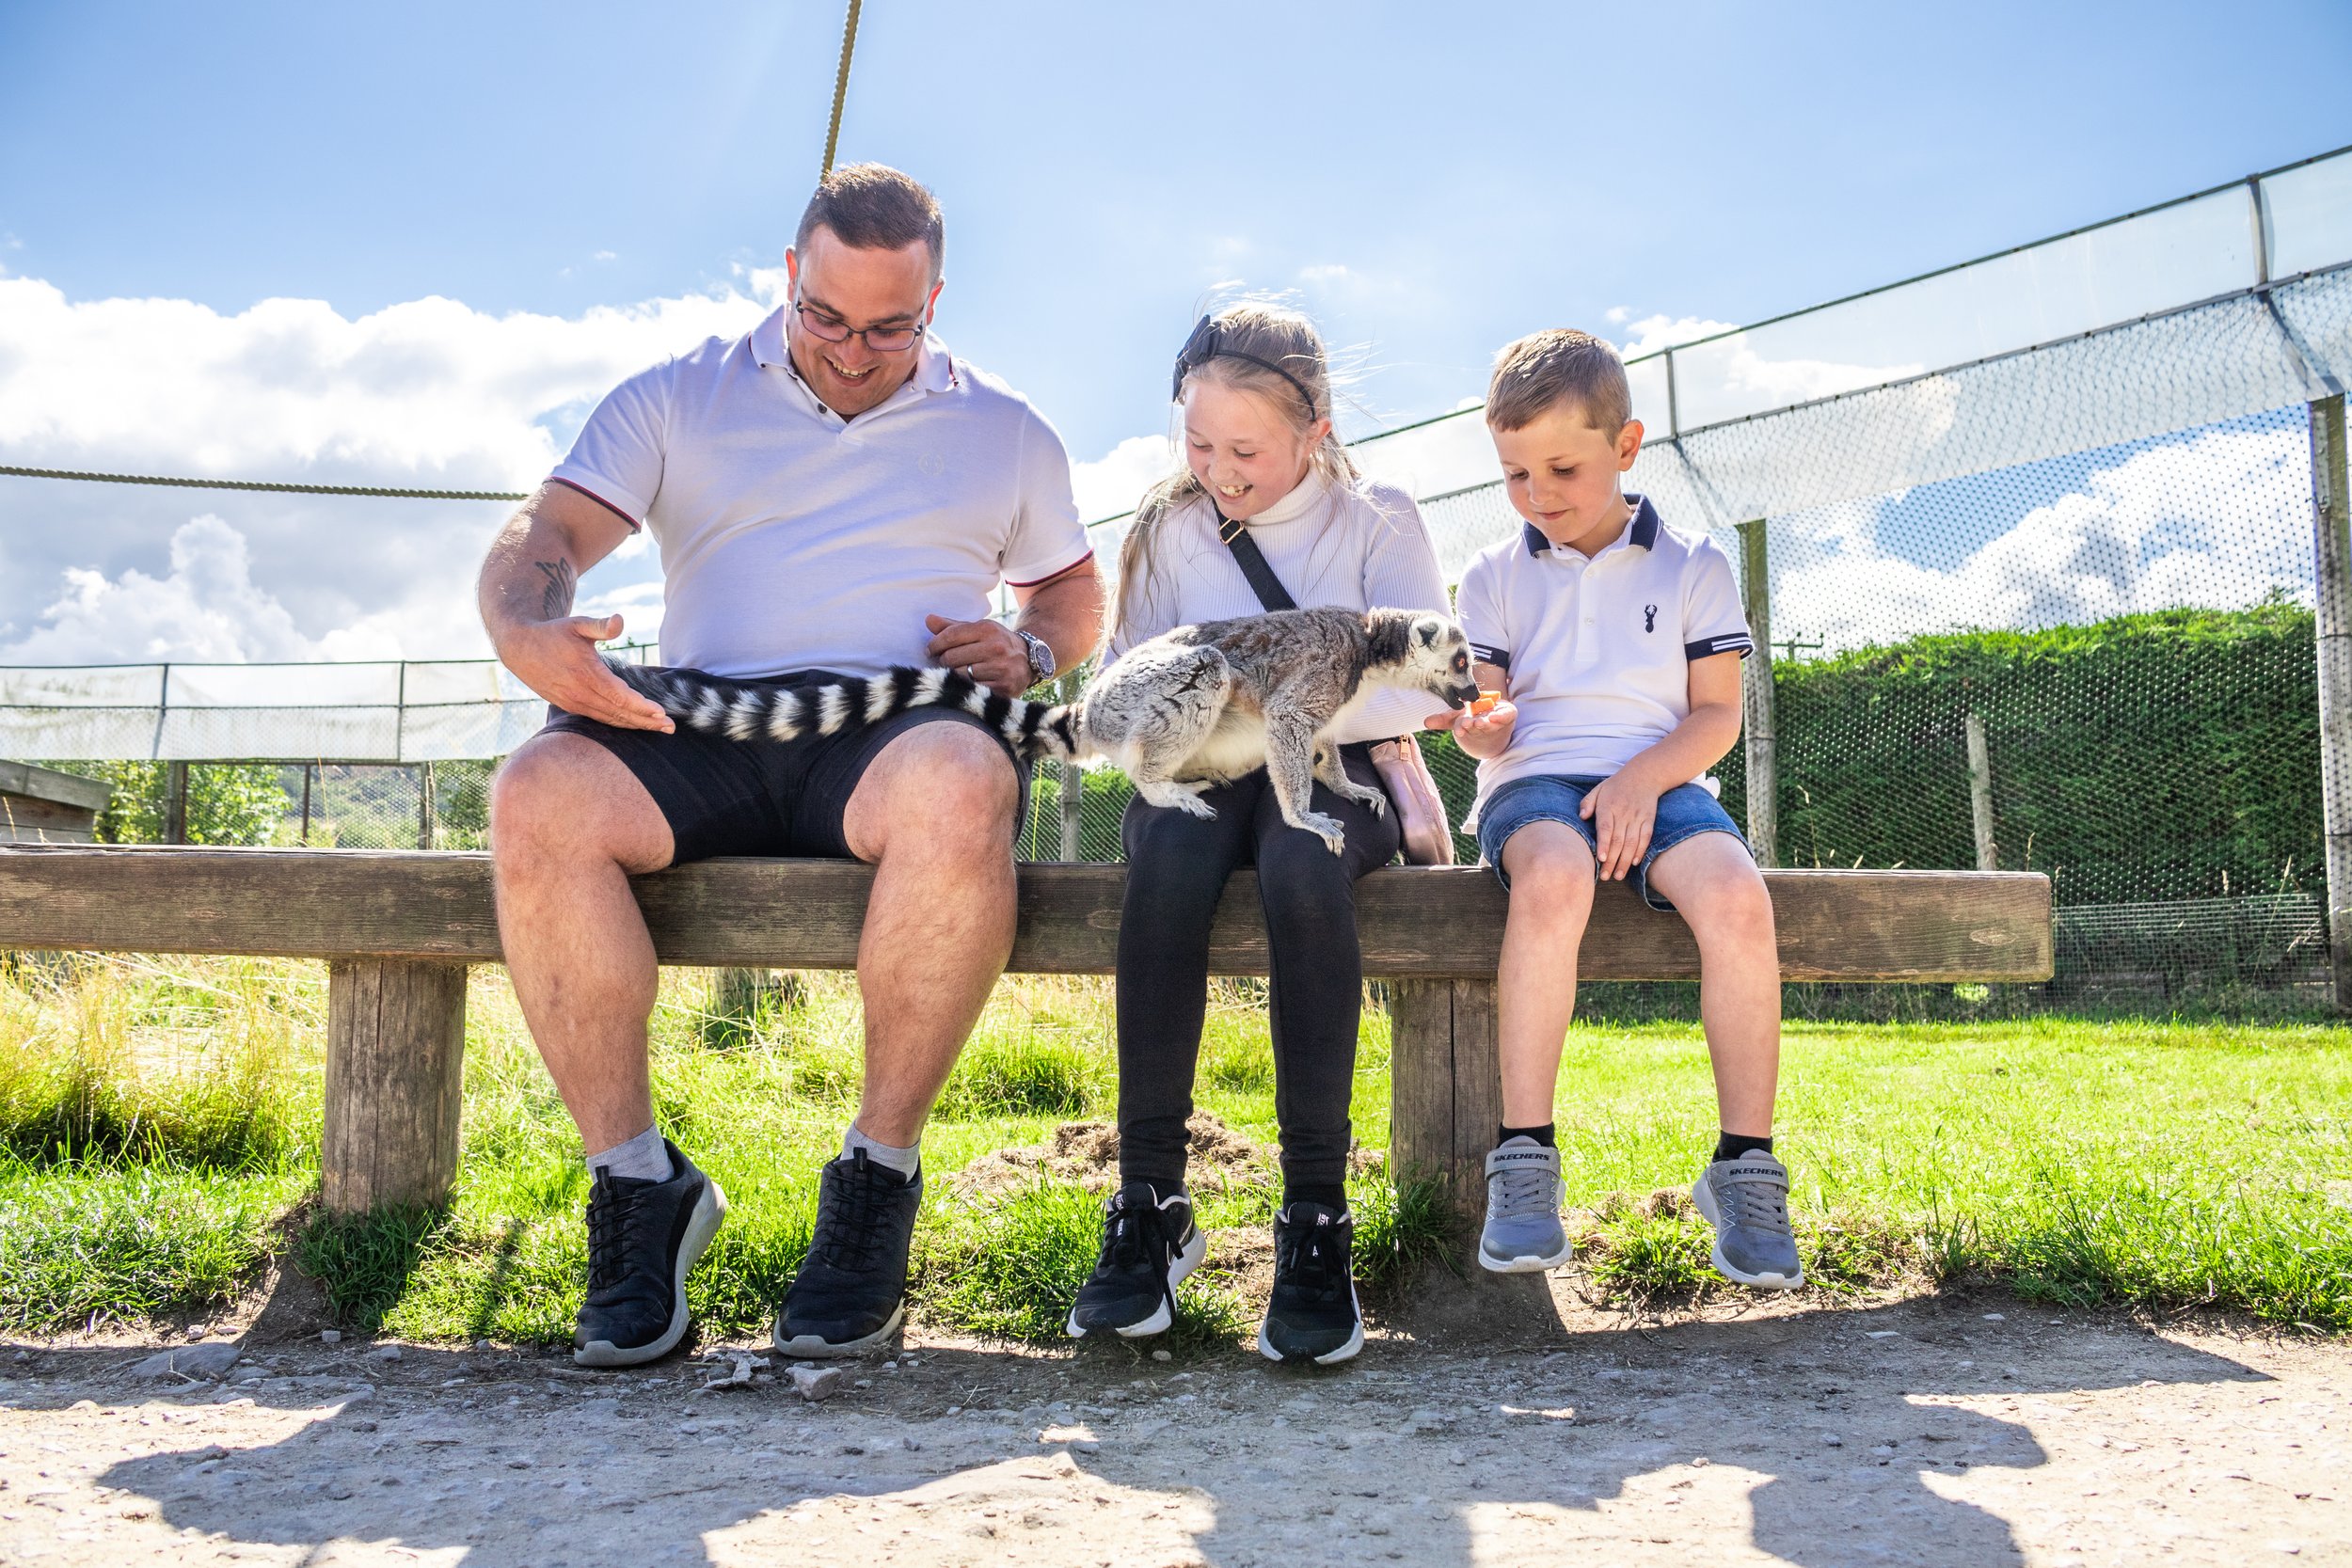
[[1186, 1260], [1705, 1202], [1333, 1357], [1525, 1262], [709, 1210], [807, 1347]]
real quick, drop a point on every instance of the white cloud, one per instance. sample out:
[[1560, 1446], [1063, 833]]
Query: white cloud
[[2213, 521], [1734, 377], [1113, 483], [205, 608], [429, 393]]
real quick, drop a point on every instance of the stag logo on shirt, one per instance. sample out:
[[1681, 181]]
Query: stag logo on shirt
[[1649, 617]]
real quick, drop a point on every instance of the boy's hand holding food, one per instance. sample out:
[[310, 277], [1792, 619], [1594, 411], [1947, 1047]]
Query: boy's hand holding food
[[1482, 729]]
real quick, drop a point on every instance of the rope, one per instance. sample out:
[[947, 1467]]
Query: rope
[[265, 485], [840, 86]]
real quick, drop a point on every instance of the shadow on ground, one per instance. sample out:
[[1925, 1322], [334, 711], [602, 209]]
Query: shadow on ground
[[1446, 1444]]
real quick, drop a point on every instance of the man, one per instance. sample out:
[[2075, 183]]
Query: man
[[833, 492]]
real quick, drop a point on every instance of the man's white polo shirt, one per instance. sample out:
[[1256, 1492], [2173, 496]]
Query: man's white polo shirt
[[1596, 650], [793, 539]]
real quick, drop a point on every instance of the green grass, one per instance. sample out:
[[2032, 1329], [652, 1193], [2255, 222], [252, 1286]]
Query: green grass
[[159, 1124]]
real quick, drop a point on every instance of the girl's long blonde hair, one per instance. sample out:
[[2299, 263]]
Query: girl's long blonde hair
[[1264, 331]]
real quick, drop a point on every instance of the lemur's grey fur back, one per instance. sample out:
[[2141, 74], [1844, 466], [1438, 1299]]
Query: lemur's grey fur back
[[746, 710]]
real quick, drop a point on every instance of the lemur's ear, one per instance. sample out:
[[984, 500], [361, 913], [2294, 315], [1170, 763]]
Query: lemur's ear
[[1426, 630]]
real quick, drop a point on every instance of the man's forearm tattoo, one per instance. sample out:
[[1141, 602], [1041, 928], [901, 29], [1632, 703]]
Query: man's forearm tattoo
[[556, 600]]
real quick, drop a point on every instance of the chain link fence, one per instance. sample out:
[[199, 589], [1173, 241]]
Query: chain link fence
[[2030, 541]]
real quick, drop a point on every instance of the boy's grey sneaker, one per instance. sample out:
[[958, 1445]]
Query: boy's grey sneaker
[[1746, 1200], [642, 1239], [850, 1293], [1523, 1233]]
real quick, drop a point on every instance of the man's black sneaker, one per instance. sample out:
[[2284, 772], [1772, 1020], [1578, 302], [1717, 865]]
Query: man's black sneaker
[[1311, 1314], [852, 1288], [642, 1238], [1149, 1245]]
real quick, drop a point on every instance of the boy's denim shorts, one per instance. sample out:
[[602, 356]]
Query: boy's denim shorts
[[1684, 812]]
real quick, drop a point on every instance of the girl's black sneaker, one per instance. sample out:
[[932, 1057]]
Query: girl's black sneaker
[[642, 1238], [1149, 1245], [1311, 1314]]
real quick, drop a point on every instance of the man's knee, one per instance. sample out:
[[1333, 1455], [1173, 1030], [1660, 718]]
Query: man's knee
[[941, 786], [561, 797]]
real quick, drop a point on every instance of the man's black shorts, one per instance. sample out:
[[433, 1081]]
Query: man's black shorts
[[723, 796]]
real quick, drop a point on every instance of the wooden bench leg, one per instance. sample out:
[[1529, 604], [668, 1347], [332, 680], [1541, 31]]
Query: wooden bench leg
[[395, 1072], [1445, 1092]]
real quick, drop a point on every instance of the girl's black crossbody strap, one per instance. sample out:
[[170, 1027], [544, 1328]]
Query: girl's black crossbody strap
[[1253, 563]]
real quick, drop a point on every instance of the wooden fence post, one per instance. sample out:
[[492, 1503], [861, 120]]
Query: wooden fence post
[[395, 1073], [175, 802], [1980, 795], [1445, 1088], [1755, 697], [2332, 557]]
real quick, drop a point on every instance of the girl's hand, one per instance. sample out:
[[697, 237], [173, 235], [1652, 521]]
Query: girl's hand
[[1623, 812], [1482, 735]]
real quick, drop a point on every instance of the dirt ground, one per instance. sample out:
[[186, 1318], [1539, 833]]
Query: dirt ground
[[1500, 1423]]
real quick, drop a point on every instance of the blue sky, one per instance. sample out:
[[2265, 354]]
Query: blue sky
[[1430, 179]]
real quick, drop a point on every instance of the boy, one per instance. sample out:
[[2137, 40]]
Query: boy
[[1616, 643]]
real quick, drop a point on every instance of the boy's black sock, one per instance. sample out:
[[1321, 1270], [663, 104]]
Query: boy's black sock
[[1730, 1146], [1543, 1134], [1330, 1194]]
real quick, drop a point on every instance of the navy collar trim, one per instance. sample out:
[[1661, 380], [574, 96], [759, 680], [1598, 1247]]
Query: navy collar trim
[[1641, 531]]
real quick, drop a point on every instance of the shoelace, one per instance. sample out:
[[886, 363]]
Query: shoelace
[[849, 1232], [609, 1211], [1130, 1235], [1311, 1259], [1524, 1190], [1757, 1200]]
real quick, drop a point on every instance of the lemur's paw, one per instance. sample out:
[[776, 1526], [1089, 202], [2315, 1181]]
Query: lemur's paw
[[1372, 800], [1192, 805], [1329, 829]]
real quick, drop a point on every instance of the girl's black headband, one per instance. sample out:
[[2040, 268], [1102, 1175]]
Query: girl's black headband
[[1207, 343]]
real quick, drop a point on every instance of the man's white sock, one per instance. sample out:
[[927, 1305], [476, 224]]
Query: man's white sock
[[906, 1162], [643, 1158]]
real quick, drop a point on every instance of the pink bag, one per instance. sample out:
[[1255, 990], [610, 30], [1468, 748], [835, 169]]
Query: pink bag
[[1420, 809]]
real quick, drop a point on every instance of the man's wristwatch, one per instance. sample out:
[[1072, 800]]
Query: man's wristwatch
[[1041, 656]]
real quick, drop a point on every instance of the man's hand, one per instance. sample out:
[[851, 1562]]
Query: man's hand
[[559, 660], [1623, 812], [986, 651], [1481, 735]]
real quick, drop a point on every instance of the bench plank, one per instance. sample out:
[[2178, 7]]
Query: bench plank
[[1417, 922]]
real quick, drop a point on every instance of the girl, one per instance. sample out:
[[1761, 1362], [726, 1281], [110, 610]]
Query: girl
[[1254, 384]]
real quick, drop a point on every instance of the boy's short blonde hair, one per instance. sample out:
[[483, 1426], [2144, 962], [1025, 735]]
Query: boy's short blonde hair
[[1560, 367]]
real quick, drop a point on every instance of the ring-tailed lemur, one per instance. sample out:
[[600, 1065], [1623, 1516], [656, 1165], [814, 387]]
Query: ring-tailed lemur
[[1191, 708]]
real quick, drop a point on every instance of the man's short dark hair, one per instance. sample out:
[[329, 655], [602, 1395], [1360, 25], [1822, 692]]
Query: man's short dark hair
[[874, 207]]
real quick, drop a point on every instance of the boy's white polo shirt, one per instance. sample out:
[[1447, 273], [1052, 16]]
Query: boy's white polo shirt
[[1597, 651], [793, 539]]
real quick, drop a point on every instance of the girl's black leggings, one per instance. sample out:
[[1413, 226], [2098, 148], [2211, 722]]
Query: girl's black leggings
[[1176, 870]]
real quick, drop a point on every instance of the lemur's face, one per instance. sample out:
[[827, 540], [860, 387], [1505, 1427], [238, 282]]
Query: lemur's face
[[1440, 658]]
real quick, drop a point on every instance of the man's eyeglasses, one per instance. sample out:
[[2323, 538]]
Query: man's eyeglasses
[[881, 340]]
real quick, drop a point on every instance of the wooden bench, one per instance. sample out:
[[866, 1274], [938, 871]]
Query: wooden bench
[[398, 930]]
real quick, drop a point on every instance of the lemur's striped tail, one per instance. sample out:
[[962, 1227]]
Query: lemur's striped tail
[[743, 710]]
